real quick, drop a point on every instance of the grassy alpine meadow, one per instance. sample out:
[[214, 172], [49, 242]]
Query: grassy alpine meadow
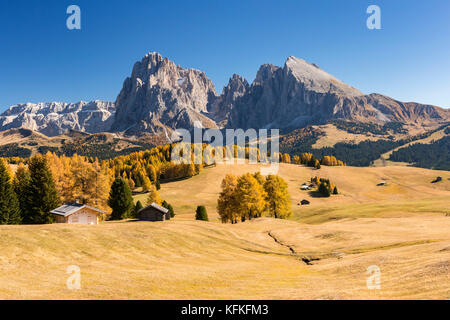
[[325, 250]]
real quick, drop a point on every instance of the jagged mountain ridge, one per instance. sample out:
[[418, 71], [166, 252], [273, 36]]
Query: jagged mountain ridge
[[55, 118], [160, 97], [301, 94]]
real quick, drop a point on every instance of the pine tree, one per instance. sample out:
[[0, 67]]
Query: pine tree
[[171, 211], [169, 207], [157, 185], [21, 181], [138, 207], [41, 195], [278, 198], [9, 205], [335, 190], [120, 199], [312, 161], [153, 196], [201, 214]]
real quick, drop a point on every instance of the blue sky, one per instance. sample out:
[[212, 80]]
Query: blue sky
[[41, 60]]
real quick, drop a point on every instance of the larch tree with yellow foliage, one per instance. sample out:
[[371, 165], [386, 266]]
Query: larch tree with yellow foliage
[[146, 184], [251, 196], [277, 197], [227, 204], [153, 195]]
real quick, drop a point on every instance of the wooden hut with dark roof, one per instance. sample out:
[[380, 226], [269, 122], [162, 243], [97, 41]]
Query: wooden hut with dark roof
[[154, 212]]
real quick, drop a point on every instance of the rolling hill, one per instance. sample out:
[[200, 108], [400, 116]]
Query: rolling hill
[[402, 228]]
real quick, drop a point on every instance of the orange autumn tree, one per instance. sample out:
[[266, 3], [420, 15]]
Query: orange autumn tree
[[78, 178]]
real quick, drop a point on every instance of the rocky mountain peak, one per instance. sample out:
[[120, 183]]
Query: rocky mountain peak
[[220, 108], [160, 95], [316, 79], [237, 85], [265, 72]]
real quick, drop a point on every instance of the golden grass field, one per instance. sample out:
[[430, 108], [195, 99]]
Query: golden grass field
[[402, 228]]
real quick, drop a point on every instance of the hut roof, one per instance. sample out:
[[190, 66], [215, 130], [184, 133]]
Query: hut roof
[[69, 208], [157, 207]]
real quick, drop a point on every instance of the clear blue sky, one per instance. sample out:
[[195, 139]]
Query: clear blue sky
[[41, 60]]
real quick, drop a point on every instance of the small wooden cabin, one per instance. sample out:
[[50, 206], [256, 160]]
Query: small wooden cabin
[[154, 212], [75, 213]]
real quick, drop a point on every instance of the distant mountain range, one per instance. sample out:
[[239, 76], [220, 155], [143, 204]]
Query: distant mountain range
[[56, 118], [160, 97]]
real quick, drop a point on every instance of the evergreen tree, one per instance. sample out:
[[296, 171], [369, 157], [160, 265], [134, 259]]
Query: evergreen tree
[[335, 190], [120, 199], [171, 211], [157, 185], [9, 205], [138, 207], [201, 214], [278, 198], [41, 195], [312, 162], [21, 181], [169, 207]]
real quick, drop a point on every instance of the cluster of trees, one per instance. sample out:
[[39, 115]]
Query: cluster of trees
[[363, 128], [435, 155], [144, 168], [331, 161], [361, 154], [96, 146], [14, 150], [324, 186], [29, 195], [310, 160], [251, 196], [44, 182], [121, 201], [80, 179]]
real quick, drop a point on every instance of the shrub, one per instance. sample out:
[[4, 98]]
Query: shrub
[[201, 214]]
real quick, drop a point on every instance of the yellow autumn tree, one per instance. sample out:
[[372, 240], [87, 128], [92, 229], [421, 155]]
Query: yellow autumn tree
[[227, 204], [153, 195], [251, 197], [277, 197], [146, 184]]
